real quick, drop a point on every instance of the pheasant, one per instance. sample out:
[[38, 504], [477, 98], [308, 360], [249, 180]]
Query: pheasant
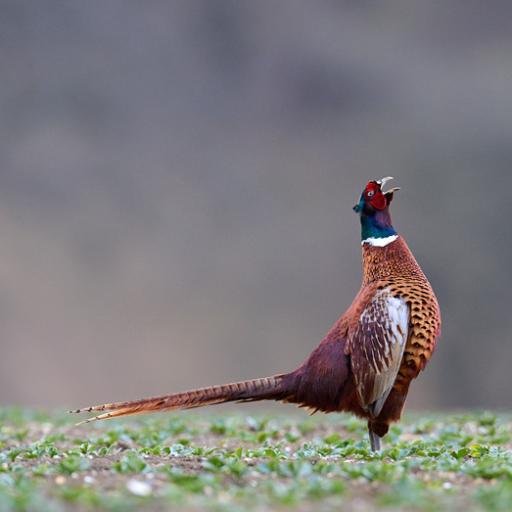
[[367, 360]]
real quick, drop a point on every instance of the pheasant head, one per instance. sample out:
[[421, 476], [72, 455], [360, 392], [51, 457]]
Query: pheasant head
[[373, 210]]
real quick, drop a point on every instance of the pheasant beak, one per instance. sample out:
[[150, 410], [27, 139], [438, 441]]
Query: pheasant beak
[[383, 181]]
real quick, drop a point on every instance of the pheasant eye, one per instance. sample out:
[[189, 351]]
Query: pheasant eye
[[370, 193]]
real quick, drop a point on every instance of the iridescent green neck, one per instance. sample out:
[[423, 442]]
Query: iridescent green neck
[[377, 225]]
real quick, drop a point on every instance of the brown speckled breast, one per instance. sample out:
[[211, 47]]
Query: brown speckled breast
[[394, 267]]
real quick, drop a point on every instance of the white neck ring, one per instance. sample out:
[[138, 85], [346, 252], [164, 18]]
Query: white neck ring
[[379, 242]]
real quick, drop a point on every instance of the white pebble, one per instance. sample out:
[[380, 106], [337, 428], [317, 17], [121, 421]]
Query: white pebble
[[138, 488]]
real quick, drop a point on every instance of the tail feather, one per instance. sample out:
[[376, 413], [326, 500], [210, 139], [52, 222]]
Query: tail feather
[[278, 387]]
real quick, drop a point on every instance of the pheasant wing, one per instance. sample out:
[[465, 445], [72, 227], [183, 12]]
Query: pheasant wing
[[376, 347]]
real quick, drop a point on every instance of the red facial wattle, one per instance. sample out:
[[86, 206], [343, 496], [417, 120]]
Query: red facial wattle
[[374, 196]]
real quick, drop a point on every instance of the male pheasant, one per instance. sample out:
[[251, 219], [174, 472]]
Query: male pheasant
[[365, 363]]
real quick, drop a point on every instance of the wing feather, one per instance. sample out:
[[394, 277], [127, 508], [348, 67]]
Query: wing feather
[[376, 348]]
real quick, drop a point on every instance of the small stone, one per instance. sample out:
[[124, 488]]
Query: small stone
[[60, 480], [138, 487]]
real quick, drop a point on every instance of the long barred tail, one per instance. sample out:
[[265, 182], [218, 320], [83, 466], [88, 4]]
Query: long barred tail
[[278, 387]]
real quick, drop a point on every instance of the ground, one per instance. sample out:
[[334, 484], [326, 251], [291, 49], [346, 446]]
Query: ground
[[233, 462]]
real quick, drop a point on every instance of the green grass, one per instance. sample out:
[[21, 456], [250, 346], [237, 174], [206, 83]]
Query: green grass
[[227, 462]]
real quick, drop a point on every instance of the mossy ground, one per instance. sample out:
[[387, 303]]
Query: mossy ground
[[229, 462]]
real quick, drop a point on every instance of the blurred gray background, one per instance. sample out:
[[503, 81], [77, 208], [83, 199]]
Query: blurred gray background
[[177, 177]]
